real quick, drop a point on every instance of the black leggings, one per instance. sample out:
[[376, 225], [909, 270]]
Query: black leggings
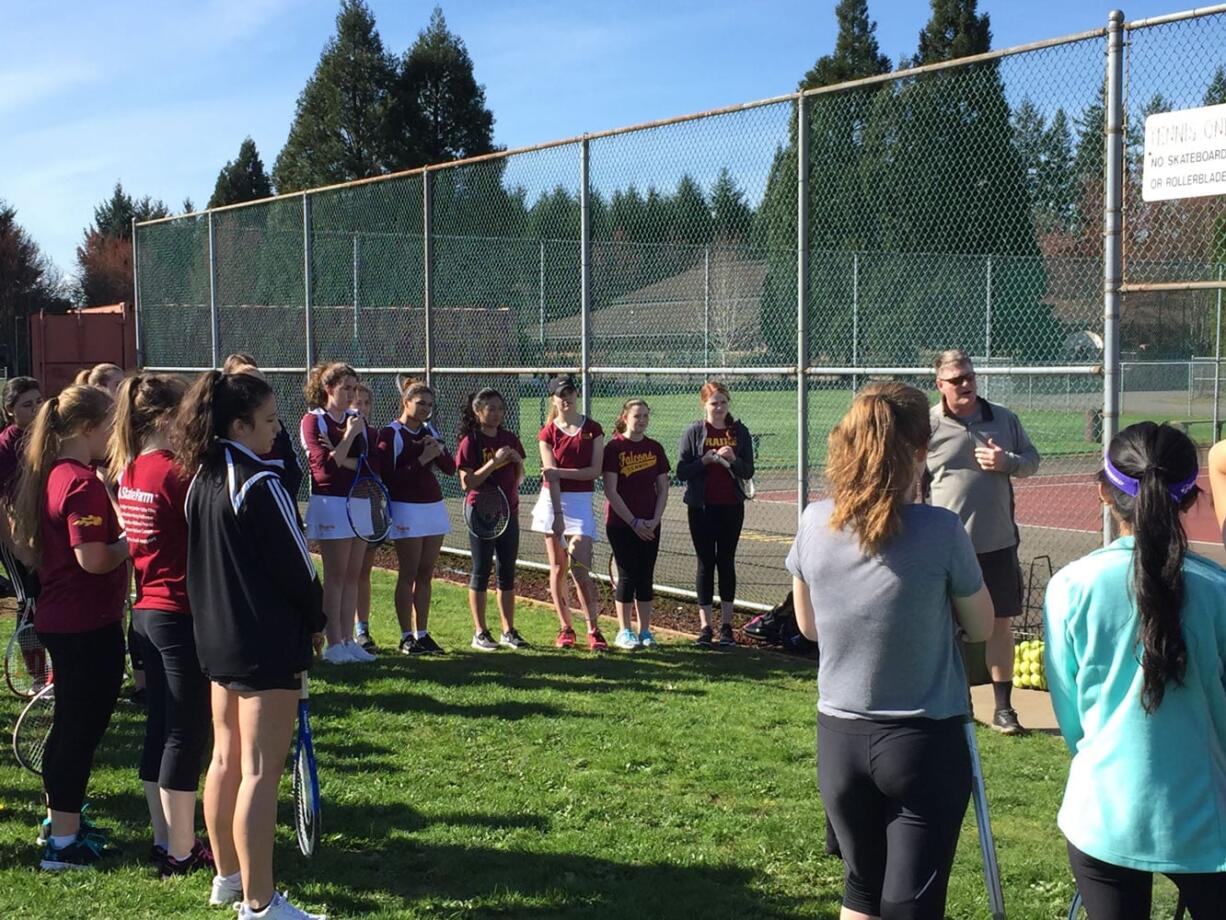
[[895, 794], [88, 675], [716, 530], [636, 563], [1116, 893], [506, 548], [177, 728]]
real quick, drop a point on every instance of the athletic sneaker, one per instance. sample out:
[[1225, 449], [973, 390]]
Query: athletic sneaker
[[200, 857], [88, 827], [429, 646], [484, 642], [1005, 721], [356, 652], [366, 642], [279, 908], [726, 639], [704, 637], [410, 646], [627, 639], [83, 853], [336, 654], [224, 893], [596, 642], [512, 639], [647, 639], [566, 638]]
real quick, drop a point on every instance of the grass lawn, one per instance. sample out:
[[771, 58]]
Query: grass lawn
[[542, 784]]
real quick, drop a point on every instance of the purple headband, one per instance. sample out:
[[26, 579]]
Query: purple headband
[[1130, 486]]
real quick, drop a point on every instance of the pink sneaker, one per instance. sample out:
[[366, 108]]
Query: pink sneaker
[[566, 638], [596, 642]]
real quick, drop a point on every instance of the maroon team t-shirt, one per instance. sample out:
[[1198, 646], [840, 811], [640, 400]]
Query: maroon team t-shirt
[[478, 449], [637, 465], [407, 480], [572, 451], [77, 510], [720, 487], [12, 445], [320, 434], [152, 492]]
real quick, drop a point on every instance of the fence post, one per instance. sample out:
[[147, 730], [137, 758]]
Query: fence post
[[706, 306], [308, 278], [427, 272], [541, 293], [987, 319], [802, 306], [585, 273], [1217, 357], [356, 324], [1191, 382], [140, 348], [1113, 197], [214, 319], [855, 319]]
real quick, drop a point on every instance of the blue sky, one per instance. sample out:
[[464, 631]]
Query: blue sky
[[160, 94]]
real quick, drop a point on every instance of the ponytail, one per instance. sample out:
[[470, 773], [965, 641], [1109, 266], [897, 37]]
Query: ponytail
[[212, 404], [871, 461], [322, 376], [82, 378], [59, 418], [143, 402], [1150, 476]]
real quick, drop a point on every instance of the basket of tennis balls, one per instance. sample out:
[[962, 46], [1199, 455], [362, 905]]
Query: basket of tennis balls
[[1028, 665]]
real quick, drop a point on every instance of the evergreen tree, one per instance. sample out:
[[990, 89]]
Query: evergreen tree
[[955, 30], [29, 282], [438, 105], [341, 129], [731, 217], [691, 215], [188, 206], [1216, 93], [855, 49], [241, 179], [1057, 200], [104, 258]]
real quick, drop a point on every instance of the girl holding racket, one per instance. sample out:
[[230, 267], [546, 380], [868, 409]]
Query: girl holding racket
[[334, 436], [636, 486], [1135, 648], [571, 447], [491, 464], [283, 454], [410, 451], [68, 529], [715, 452], [363, 404], [22, 397], [152, 491], [257, 607]]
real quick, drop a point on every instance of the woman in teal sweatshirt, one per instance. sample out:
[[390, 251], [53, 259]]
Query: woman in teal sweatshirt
[[1135, 656]]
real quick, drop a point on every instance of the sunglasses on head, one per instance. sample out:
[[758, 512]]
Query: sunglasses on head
[[960, 380]]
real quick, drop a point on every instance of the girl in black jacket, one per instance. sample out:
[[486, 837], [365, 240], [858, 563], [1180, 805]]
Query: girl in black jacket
[[258, 611], [715, 452]]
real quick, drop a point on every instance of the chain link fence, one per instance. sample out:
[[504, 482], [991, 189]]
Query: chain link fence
[[956, 205]]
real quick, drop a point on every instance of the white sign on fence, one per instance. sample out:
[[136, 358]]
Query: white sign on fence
[[1185, 154]]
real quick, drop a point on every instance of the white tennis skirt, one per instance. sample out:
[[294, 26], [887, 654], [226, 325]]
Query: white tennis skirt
[[576, 514], [327, 519], [414, 519]]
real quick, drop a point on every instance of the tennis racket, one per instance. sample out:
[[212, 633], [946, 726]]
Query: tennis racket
[[306, 780], [600, 591], [367, 505], [487, 512], [987, 844], [745, 486], [613, 575], [33, 728], [27, 664]]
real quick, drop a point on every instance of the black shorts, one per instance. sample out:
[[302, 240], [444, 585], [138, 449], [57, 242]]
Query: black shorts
[[259, 681], [1002, 573]]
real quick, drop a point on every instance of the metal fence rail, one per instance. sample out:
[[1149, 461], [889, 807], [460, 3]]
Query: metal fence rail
[[990, 203]]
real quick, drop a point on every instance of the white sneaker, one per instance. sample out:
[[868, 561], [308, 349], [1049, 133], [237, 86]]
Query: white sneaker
[[336, 654], [278, 909], [224, 893], [356, 652]]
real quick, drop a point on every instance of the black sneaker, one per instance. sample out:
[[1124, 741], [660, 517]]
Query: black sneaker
[[704, 637], [410, 646], [1005, 721], [429, 646], [139, 698], [512, 639], [201, 857], [366, 642], [726, 639], [83, 853]]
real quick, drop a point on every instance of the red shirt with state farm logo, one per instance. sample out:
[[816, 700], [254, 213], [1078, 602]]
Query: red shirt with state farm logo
[[476, 450], [720, 487], [637, 465], [572, 451], [77, 510], [152, 493]]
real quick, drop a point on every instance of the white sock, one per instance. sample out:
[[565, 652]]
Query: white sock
[[59, 841], [421, 634], [234, 880], [361, 628]]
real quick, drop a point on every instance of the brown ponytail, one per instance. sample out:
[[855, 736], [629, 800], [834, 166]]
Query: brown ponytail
[[871, 460], [323, 376], [59, 418], [142, 403], [212, 404]]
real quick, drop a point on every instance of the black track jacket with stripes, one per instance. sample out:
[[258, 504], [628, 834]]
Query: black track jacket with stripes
[[256, 599]]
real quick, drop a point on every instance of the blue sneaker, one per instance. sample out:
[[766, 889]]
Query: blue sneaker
[[83, 853], [628, 640], [88, 827], [647, 639]]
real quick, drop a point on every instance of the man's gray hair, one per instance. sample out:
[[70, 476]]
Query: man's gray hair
[[952, 357]]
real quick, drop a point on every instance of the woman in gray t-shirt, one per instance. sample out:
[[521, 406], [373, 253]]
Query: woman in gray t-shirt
[[875, 576]]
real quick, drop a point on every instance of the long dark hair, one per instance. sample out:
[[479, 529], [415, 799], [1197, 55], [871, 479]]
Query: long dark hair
[[212, 404], [470, 427], [1157, 457], [16, 388]]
